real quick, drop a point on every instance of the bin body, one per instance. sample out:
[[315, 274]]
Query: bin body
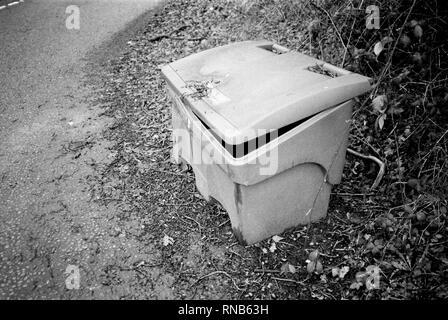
[[277, 185]]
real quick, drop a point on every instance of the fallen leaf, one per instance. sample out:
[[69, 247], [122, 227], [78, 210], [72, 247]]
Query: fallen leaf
[[311, 266], [277, 238], [167, 240], [386, 40], [379, 103], [340, 272], [405, 40], [418, 31], [323, 278], [313, 255], [287, 268], [417, 58], [343, 271], [360, 276], [399, 265], [413, 23], [335, 272], [381, 119], [356, 285], [378, 48], [319, 267]]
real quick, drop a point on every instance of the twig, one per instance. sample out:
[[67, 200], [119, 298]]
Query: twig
[[176, 204], [382, 165], [167, 172], [334, 25], [187, 39], [389, 60], [191, 219], [266, 271], [166, 35], [350, 36], [290, 280], [223, 223], [218, 272]]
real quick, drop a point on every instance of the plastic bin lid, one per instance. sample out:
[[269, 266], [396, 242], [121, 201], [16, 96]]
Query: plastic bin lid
[[249, 85]]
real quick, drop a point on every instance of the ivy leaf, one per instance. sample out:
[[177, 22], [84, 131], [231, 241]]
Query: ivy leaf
[[378, 48], [380, 45]]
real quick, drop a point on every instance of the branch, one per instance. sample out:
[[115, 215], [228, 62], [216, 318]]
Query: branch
[[187, 39], [380, 163]]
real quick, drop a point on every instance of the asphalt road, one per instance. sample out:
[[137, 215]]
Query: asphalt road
[[49, 139]]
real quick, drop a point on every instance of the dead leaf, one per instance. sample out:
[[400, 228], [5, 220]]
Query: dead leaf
[[313, 255], [287, 268], [323, 278], [378, 48], [356, 285], [335, 272], [167, 240], [386, 40], [343, 271], [340, 272], [277, 238], [379, 103], [311, 266], [418, 31], [380, 121], [319, 267], [405, 40]]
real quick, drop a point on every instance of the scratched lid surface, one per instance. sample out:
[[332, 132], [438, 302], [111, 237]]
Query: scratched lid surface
[[251, 85]]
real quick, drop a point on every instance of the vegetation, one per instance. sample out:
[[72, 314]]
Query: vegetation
[[397, 230]]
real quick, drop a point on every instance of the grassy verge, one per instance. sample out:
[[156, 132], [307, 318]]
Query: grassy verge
[[398, 230]]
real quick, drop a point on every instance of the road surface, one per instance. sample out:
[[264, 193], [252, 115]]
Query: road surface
[[49, 140]]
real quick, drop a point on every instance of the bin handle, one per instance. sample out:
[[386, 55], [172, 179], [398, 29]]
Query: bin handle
[[324, 65], [273, 46], [280, 48], [334, 69]]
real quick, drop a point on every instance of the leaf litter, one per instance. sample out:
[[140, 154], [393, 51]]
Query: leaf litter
[[403, 228]]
